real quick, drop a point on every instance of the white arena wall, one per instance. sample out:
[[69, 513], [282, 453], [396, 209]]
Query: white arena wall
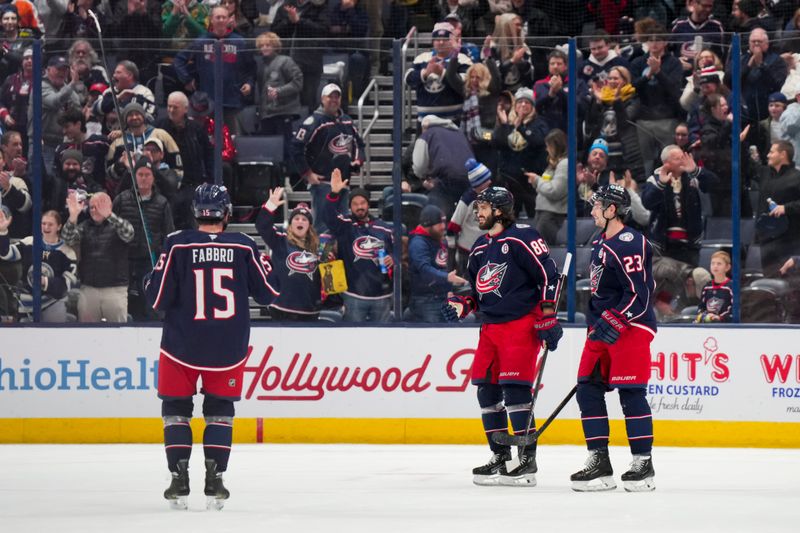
[[724, 386]]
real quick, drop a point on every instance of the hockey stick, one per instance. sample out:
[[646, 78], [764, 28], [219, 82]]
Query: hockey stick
[[507, 439], [564, 272], [125, 144]]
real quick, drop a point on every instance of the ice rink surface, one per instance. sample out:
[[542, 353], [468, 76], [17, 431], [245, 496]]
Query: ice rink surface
[[367, 488]]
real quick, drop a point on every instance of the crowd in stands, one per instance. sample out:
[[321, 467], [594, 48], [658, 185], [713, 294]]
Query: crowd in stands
[[492, 88]]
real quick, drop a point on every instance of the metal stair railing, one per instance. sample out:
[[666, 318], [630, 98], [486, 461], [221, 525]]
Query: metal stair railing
[[366, 173], [410, 38]]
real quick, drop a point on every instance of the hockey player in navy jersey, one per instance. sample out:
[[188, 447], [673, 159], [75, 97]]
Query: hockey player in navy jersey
[[514, 286], [616, 354], [202, 283]]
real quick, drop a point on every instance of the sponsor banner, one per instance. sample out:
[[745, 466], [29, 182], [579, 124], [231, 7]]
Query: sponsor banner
[[698, 374]]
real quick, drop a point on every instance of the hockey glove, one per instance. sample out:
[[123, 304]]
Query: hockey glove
[[549, 330], [610, 326], [459, 309]]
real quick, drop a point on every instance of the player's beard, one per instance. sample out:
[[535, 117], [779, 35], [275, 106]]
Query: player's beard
[[488, 223]]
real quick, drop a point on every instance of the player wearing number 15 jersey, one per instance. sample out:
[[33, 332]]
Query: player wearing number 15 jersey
[[514, 286], [202, 284], [617, 351]]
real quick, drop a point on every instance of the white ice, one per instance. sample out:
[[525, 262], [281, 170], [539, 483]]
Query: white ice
[[378, 489]]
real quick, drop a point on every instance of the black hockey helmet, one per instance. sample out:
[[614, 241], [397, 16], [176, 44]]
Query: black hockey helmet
[[498, 197], [211, 202], [613, 194]]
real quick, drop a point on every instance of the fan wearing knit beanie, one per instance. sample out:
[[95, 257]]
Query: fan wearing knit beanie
[[294, 257], [463, 230], [365, 245], [427, 264]]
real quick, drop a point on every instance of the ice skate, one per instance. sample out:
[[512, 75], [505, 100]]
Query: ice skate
[[490, 473], [523, 475], [178, 491], [597, 475], [215, 491], [640, 476]]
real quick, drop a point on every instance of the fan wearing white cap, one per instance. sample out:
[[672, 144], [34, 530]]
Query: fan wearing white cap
[[326, 140], [430, 74]]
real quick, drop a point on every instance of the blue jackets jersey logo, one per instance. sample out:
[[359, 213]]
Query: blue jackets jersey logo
[[341, 144], [366, 247], [302, 262], [596, 273], [490, 277], [715, 305], [441, 258]]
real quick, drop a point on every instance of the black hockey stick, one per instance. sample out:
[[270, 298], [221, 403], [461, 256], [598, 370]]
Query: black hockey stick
[[125, 143], [537, 386], [507, 439]]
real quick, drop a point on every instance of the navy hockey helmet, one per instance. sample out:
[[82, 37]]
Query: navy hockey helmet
[[211, 202], [613, 194], [498, 197]]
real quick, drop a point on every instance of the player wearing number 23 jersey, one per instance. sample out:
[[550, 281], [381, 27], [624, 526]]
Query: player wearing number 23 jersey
[[616, 354]]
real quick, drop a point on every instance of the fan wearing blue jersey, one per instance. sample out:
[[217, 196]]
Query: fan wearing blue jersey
[[202, 283], [616, 354], [514, 285], [294, 254]]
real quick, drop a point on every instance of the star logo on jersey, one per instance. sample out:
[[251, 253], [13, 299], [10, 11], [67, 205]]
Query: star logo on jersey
[[302, 262], [596, 272], [367, 247], [629, 314], [714, 305], [490, 277], [441, 258]]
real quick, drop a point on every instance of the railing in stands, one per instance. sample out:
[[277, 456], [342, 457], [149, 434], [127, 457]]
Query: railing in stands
[[365, 132], [411, 37]]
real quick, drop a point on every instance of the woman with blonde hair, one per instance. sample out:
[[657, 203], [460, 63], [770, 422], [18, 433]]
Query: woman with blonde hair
[[506, 46], [551, 187], [279, 82], [481, 88], [58, 266], [705, 61], [611, 116]]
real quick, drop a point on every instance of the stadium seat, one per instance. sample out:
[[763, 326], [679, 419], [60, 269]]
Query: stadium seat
[[584, 231], [719, 232], [248, 119], [752, 264], [330, 315], [260, 167], [411, 207], [583, 260], [761, 303]]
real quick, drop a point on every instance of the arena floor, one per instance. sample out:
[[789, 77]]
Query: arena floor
[[367, 488]]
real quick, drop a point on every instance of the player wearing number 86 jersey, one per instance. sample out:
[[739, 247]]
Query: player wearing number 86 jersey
[[514, 286]]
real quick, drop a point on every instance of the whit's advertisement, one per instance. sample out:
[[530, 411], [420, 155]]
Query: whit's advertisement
[[702, 374]]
